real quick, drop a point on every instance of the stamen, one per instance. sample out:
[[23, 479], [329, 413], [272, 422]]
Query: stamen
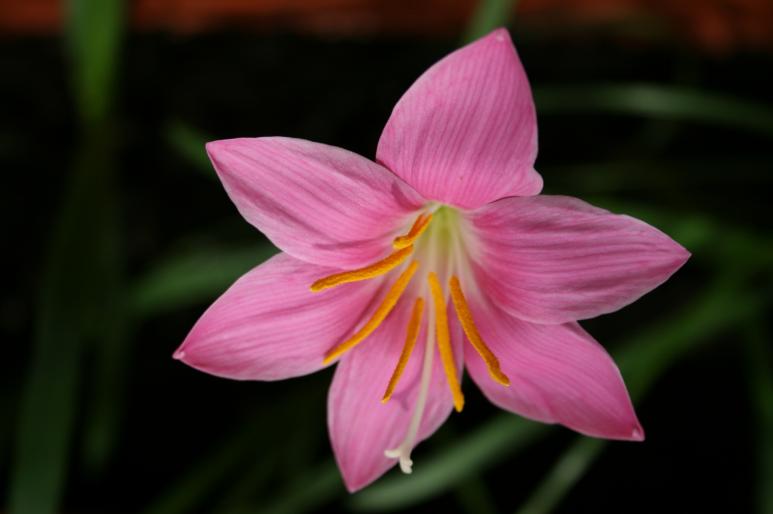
[[390, 300], [465, 317], [444, 341], [410, 341], [418, 228], [374, 270]]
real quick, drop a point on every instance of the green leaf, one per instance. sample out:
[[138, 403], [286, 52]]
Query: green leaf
[[473, 496], [569, 469], [760, 362], [107, 394], [646, 356], [655, 175], [193, 276], [245, 461], [489, 15], [656, 101], [94, 31], [77, 305], [8, 403], [699, 233], [189, 144], [311, 489], [193, 488]]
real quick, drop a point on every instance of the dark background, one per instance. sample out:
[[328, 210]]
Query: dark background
[[117, 235]]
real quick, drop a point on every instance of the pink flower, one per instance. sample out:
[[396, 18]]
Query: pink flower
[[439, 255]]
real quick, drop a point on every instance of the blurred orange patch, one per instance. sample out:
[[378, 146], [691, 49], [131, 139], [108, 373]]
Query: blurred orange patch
[[715, 25]]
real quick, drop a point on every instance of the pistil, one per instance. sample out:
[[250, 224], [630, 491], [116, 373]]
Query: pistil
[[403, 451]]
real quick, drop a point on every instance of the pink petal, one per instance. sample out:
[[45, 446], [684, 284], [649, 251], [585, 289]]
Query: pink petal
[[465, 133], [558, 374], [361, 427], [316, 202], [553, 259], [269, 326]]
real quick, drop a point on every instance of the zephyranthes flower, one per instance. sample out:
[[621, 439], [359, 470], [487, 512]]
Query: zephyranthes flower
[[439, 256]]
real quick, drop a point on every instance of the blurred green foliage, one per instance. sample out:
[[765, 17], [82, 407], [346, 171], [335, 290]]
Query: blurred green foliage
[[94, 33], [89, 312], [489, 15], [79, 297], [177, 281], [654, 101]]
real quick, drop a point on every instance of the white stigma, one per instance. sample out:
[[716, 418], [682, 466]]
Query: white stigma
[[403, 451]]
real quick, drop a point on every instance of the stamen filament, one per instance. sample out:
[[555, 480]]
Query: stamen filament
[[418, 228], [444, 341], [383, 310], [410, 341], [374, 270], [465, 317]]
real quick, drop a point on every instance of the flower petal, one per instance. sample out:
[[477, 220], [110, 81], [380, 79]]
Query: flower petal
[[361, 427], [553, 259], [269, 326], [558, 374], [318, 203], [465, 133]]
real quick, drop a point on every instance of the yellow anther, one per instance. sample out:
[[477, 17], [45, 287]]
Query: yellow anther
[[465, 317], [418, 228], [374, 270], [410, 341], [444, 341], [390, 300]]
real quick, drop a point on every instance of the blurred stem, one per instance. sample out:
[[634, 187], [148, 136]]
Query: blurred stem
[[190, 144], [189, 491], [488, 15], [8, 403], [312, 488], [111, 364], [177, 281], [656, 175], [709, 239], [569, 469], [237, 497], [474, 497], [94, 34], [230, 457], [760, 362], [656, 101], [73, 307]]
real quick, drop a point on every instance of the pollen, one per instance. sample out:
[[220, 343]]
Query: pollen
[[410, 341], [465, 317], [418, 228], [374, 270], [444, 341], [383, 310]]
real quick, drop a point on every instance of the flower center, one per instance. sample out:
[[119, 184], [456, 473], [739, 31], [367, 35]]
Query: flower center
[[441, 248]]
